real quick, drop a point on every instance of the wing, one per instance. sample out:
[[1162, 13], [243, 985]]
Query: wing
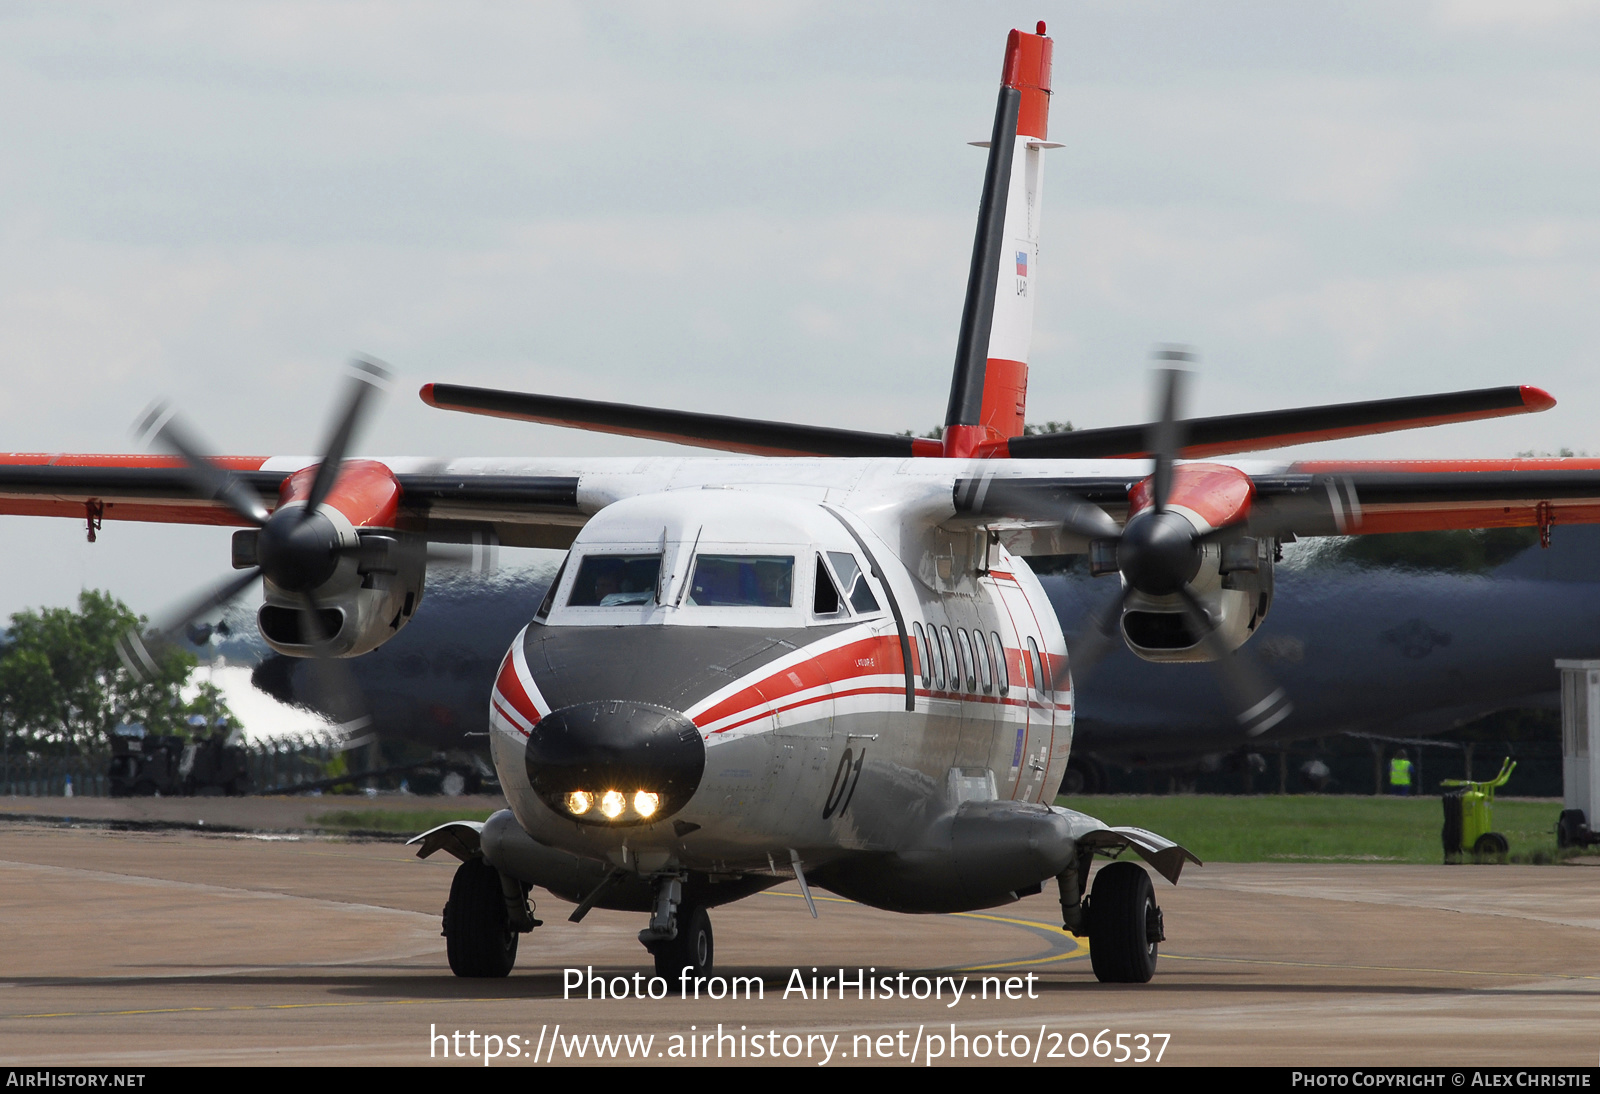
[[532, 509], [1229, 433], [1311, 498]]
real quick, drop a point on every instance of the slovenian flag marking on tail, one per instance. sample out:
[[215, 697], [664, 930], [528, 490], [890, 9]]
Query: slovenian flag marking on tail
[[1022, 263]]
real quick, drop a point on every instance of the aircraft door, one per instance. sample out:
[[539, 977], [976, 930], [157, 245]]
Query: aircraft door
[[1029, 695]]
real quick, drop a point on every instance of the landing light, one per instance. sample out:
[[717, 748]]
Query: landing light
[[613, 804]]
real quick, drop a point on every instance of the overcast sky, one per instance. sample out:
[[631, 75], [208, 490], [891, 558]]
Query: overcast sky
[[767, 209]]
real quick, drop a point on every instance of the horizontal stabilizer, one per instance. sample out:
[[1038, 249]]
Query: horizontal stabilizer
[[726, 434], [1230, 433]]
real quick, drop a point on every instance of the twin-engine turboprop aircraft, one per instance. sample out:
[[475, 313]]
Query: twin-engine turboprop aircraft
[[826, 658]]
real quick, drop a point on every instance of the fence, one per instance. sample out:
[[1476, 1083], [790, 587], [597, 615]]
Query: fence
[[271, 764]]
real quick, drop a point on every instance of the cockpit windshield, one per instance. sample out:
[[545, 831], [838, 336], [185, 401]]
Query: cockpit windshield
[[606, 581], [747, 581]]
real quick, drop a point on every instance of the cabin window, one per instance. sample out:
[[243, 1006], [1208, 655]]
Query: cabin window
[[1002, 671], [985, 661], [742, 581], [965, 644], [947, 646], [922, 652], [854, 581], [825, 601], [939, 667], [607, 581], [1040, 684]]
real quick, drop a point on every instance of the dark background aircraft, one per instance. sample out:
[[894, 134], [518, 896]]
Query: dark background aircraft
[[1379, 642], [1392, 639]]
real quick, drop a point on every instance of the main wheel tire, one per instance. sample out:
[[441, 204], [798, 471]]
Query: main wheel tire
[[1450, 834], [1570, 828], [1491, 846], [1124, 925], [478, 935], [693, 949]]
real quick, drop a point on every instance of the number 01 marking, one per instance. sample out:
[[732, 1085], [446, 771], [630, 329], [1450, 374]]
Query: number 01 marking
[[845, 780]]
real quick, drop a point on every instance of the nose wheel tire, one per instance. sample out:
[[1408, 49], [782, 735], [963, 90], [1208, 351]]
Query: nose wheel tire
[[477, 931], [1125, 927], [693, 949]]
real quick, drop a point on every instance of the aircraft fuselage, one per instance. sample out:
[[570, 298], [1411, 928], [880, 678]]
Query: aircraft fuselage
[[782, 681]]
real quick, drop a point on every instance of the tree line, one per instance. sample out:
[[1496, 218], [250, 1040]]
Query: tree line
[[63, 688]]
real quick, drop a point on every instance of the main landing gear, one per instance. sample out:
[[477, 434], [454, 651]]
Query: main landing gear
[[486, 914], [679, 935], [1125, 926]]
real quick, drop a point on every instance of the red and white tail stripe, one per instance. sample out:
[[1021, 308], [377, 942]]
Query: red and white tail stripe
[[1005, 386]]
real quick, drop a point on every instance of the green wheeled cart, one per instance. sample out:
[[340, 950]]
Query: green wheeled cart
[[1468, 818]]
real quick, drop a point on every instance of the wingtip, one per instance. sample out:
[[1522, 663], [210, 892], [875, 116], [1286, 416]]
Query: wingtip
[[425, 393], [1537, 398]]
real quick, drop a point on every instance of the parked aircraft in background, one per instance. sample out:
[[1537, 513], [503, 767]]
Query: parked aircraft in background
[[1398, 649]]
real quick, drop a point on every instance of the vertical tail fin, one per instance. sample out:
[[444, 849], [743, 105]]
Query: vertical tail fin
[[988, 392]]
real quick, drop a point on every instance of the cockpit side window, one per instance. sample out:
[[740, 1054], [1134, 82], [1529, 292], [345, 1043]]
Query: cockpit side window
[[826, 599], [550, 593], [607, 581], [749, 581], [857, 591]]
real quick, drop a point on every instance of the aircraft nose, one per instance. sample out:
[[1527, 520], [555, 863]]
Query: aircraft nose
[[614, 762]]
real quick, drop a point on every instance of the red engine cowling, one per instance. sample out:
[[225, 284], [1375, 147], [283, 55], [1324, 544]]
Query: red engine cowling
[[376, 584], [1233, 583]]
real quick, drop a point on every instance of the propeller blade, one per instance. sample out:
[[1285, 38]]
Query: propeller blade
[[332, 686], [1083, 518], [1258, 703], [160, 425], [367, 377], [992, 495], [1166, 431], [142, 653], [1094, 642]]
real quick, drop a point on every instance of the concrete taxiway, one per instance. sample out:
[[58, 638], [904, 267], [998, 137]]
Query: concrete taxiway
[[173, 947]]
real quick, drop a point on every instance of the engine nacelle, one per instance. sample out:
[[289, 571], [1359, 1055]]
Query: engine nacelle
[[1162, 552], [368, 600], [342, 581], [1233, 585]]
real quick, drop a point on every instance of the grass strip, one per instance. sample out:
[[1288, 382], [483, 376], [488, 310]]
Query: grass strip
[[393, 820], [1318, 828]]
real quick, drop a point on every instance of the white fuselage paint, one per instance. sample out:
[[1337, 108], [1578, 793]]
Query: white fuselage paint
[[816, 752]]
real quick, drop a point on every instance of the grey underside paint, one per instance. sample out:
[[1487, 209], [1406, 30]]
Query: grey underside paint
[[671, 667], [979, 856]]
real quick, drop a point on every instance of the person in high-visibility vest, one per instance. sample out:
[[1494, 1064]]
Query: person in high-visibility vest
[[1400, 774]]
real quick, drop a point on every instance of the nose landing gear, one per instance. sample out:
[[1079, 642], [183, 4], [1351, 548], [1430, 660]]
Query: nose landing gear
[[679, 935]]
